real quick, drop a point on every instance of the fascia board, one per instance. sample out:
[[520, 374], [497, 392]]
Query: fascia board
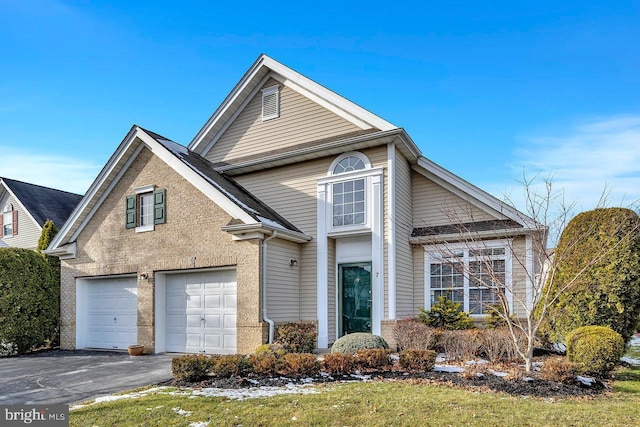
[[8, 189], [93, 189], [479, 198], [265, 229], [328, 95], [226, 103]]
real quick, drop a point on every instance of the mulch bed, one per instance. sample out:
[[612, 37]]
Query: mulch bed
[[488, 383]]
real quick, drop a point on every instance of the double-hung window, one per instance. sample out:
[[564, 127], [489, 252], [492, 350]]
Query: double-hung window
[[145, 209], [475, 278], [348, 196], [9, 221]]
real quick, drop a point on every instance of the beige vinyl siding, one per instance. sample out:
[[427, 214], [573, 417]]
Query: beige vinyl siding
[[283, 281], [333, 291], [434, 205], [301, 120], [519, 275], [292, 191], [418, 278], [404, 257], [28, 230]]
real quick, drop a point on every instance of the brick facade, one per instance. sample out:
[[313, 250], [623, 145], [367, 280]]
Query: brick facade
[[190, 239]]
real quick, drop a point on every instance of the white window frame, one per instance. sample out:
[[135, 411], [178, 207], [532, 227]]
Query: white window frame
[[434, 254], [266, 92], [140, 192], [7, 212]]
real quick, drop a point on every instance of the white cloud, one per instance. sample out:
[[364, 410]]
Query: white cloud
[[60, 172], [595, 157]]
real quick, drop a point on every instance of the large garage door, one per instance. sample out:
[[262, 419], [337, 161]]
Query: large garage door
[[201, 312], [112, 313]]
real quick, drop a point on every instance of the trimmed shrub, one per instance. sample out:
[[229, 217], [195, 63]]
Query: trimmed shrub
[[559, 369], [229, 365], [446, 314], [190, 367], [358, 341], [373, 358], [299, 365], [461, 345], [264, 363], [418, 360], [411, 334], [599, 255], [339, 363], [275, 349], [29, 300], [296, 337], [596, 349]]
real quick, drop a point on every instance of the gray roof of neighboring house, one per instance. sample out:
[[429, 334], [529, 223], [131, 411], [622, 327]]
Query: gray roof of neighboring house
[[234, 191], [44, 203], [473, 227]]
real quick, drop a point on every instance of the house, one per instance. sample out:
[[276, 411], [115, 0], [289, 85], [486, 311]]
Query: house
[[25, 209], [290, 204]]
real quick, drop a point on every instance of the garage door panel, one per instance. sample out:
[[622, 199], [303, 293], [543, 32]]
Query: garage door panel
[[112, 313], [229, 321], [192, 297]]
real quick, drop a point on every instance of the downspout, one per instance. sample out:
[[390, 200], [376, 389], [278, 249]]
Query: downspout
[[264, 287]]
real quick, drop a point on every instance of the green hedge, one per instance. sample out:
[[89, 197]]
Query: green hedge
[[596, 349], [29, 300]]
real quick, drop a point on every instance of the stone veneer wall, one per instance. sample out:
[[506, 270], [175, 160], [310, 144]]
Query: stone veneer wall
[[190, 239]]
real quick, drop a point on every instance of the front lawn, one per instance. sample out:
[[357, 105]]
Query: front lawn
[[373, 403]]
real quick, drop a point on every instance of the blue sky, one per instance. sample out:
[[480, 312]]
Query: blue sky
[[486, 89]]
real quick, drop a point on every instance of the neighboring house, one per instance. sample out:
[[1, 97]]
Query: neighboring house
[[25, 209], [290, 204]]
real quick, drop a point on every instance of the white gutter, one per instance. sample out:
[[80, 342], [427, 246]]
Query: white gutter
[[264, 286]]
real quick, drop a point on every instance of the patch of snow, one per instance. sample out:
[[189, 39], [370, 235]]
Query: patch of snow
[[631, 361], [477, 362], [294, 418], [499, 374], [586, 380], [112, 398], [528, 379], [252, 381], [447, 368], [253, 393], [441, 358], [361, 377], [270, 222], [181, 412], [199, 424], [479, 375]]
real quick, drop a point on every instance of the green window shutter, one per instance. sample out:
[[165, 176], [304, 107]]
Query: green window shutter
[[130, 212], [159, 207]]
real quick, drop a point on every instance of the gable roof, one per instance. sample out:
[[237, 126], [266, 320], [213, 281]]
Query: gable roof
[[223, 191], [43, 203], [263, 69]]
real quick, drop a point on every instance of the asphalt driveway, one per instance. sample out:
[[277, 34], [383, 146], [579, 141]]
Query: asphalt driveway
[[64, 377]]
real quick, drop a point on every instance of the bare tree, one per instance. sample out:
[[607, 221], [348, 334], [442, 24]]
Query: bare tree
[[506, 263]]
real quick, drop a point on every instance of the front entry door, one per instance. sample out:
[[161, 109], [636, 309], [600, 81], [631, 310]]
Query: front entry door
[[354, 281]]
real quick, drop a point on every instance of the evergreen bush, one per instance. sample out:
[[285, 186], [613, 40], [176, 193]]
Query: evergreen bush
[[596, 349], [597, 259], [29, 300], [446, 314], [358, 341]]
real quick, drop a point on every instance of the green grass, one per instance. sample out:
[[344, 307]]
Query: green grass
[[375, 404]]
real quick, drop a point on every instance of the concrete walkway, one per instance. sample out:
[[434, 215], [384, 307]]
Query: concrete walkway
[[65, 377]]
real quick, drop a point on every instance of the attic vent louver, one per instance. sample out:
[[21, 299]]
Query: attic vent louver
[[270, 103]]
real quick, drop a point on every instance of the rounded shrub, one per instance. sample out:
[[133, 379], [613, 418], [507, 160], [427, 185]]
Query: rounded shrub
[[351, 343], [29, 300], [596, 349]]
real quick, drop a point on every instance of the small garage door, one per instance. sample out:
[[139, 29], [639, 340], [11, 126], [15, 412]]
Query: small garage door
[[112, 312], [201, 312]]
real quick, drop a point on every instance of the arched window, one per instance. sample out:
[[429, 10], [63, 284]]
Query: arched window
[[349, 162], [8, 226], [348, 196]]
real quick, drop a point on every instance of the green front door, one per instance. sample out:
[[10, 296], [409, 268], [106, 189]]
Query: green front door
[[354, 281]]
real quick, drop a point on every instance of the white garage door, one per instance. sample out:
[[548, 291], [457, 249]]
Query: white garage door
[[112, 313], [201, 312]]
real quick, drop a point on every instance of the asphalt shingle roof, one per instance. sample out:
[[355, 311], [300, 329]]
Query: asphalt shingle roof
[[44, 203]]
